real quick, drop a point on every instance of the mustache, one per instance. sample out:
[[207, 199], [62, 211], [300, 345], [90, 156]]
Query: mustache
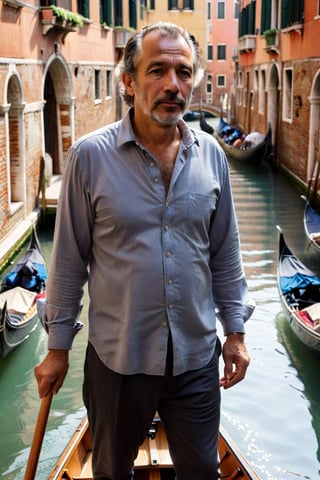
[[172, 97]]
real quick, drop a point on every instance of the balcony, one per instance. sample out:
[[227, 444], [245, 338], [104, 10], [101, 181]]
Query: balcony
[[59, 21], [247, 43], [121, 36], [271, 37]]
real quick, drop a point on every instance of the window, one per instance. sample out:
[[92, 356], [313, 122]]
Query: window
[[117, 9], [221, 80], [247, 20], [83, 8], [133, 14], [210, 52], [106, 12], [220, 12], [240, 79], [209, 91], [221, 52], [287, 94], [108, 83], [262, 91], [265, 15], [236, 9], [172, 4], [209, 11], [180, 4], [97, 87], [152, 4], [291, 12], [188, 5]]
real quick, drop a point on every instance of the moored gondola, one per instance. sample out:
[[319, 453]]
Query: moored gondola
[[251, 149], [20, 289], [299, 289], [311, 223], [153, 461]]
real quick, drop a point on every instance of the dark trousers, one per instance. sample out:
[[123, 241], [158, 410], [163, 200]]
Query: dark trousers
[[122, 407]]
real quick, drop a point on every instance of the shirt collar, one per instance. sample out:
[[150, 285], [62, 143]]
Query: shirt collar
[[126, 133]]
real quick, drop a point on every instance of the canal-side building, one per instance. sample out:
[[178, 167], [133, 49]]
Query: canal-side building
[[222, 24], [58, 82], [278, 79]]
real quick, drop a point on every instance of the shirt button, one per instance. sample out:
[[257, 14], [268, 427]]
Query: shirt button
[[168, 254], [151, 164], [164, 324], [170, 306], [166, 204], [156, 179], [170, 281], [166, 227]]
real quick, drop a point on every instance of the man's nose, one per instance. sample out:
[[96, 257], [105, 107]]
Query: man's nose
[[172, 81]]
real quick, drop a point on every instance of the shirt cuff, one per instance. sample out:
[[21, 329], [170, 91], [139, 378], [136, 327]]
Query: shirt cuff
[[61, 325], [233, 319]]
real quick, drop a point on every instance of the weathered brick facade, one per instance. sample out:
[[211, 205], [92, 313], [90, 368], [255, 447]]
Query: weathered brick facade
[[280, 85]]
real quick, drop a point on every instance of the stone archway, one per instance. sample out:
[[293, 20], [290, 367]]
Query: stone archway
[[314, 127], [58, 114]]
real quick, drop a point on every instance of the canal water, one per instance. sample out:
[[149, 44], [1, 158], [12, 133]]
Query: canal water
[[273, 415]]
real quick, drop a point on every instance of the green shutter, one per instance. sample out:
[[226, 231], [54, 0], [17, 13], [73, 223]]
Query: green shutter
[[284, 13], [251, 27], [133, 13], [265, 16]]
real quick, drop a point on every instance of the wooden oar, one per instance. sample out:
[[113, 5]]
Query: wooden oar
[[38, 438]]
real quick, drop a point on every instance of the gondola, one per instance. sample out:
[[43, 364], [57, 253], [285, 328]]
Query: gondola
[[250, 149], [299, 290], [153, 461], [311, 222], [204, 125], [19, 292]]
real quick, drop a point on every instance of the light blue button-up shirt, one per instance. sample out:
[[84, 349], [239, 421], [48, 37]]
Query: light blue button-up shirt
[[154, 262]]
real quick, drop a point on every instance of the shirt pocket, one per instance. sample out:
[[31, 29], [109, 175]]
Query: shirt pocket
[[200, 209]]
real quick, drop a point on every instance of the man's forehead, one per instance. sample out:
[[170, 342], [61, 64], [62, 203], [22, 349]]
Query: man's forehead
[[157, 44]]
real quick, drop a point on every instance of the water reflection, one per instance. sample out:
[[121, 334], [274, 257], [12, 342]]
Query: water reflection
[[305, 363]]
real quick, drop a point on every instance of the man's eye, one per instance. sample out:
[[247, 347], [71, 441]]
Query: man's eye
[[156, 71], [185, 73]]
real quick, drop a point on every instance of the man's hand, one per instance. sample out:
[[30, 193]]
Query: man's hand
[[51, 372], [236, 360]]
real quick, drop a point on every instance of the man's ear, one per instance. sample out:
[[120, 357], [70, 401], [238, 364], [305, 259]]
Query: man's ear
[[127, 81]]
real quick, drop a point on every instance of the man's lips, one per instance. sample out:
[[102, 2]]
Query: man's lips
[[169, 103]]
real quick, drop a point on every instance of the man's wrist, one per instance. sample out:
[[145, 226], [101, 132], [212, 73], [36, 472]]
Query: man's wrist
[[234, 333]]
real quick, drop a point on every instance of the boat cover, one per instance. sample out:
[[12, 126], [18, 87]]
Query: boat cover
[[293, 274], [19, 300], [30, 272]]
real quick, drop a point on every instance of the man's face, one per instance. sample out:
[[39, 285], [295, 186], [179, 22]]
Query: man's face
[[163, 83]]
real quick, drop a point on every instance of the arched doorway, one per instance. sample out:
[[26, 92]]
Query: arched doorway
[[273, 102], [314, 126], [51, 124], [58, 114]]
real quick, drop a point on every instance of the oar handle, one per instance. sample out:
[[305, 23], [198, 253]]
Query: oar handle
[[38, 438]]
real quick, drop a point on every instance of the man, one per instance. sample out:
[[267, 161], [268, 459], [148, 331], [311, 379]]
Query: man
[[146, 217]]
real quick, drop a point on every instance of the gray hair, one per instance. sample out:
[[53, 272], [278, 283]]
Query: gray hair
[[134, 45]]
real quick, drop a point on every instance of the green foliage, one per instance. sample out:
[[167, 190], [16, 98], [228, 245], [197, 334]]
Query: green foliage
[[67, 15]]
